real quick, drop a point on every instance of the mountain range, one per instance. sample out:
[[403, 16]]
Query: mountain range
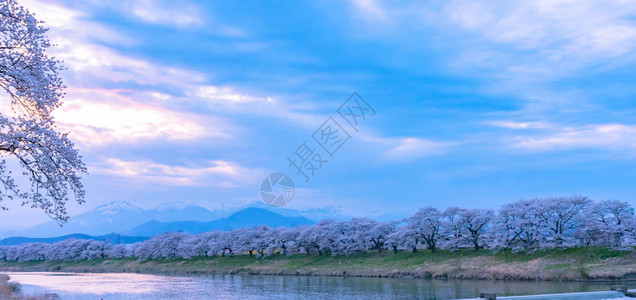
[[249, 217], [112, 238], [118, 217], [130, 220], [126, 218]]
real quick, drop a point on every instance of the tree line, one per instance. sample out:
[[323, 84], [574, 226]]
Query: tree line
[[524, 225]]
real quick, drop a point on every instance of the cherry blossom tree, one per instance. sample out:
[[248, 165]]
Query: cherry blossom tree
[[30, 252], [351, 236], [467, 227], [519, 226], [379, 234], [524, 225], [118, 251], [246, 240], [70, 249], [263, 237], [167, 245], [426, 223], [95, 250], [31, 80], [320, 237], [228, 243], [476, 224], [283, 240], [403, 237], [560, 218], [304, 239], [193, 246], [612, 222], [452, 230], [10, 253]]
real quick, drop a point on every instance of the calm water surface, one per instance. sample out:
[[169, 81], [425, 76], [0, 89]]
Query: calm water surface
[[140, 286]]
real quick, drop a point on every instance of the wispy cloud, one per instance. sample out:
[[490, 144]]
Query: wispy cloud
[[519, 125], [210, 173], [542, 40], [405, 148], [80, 44], [102, 116], [370, 9], [92, 63], [609, 137], [72, 24], [413, 147], [97, 117], [181, 13], [163, 89], [216, 93], [516, 48], [557, 28], [540, 136]]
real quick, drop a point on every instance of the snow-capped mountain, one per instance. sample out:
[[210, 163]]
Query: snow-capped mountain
[[328, 212], [248, 217], [122, 216], [316, 214], [118, 217]]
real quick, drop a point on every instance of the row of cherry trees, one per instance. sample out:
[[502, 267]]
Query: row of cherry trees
[[525, 225]]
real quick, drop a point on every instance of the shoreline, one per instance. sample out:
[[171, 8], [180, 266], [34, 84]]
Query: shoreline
[[186, 274], [579, 264]]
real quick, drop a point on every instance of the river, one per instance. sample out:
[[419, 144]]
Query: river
[[114, 286]]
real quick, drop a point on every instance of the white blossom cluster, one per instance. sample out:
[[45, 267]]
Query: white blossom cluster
[[525, 225], [71, 249], [31, 78]]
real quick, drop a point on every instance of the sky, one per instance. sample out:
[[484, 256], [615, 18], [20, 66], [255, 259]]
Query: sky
[[476, 103]]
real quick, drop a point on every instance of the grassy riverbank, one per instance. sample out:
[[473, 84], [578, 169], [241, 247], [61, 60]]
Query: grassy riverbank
[[569, 264]]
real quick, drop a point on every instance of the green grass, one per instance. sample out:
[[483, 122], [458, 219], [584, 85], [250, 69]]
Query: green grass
[[558, 264]]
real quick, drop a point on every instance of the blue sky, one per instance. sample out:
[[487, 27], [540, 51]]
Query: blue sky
[[477, 104]]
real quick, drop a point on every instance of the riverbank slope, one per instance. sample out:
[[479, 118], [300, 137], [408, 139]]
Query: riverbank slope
[[586, 263]]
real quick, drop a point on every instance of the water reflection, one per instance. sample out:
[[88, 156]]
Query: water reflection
[[140, 286]]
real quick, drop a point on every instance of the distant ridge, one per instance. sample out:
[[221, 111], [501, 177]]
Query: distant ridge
[[124, 217], [113, 238], [248, 217], [119, 217]]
